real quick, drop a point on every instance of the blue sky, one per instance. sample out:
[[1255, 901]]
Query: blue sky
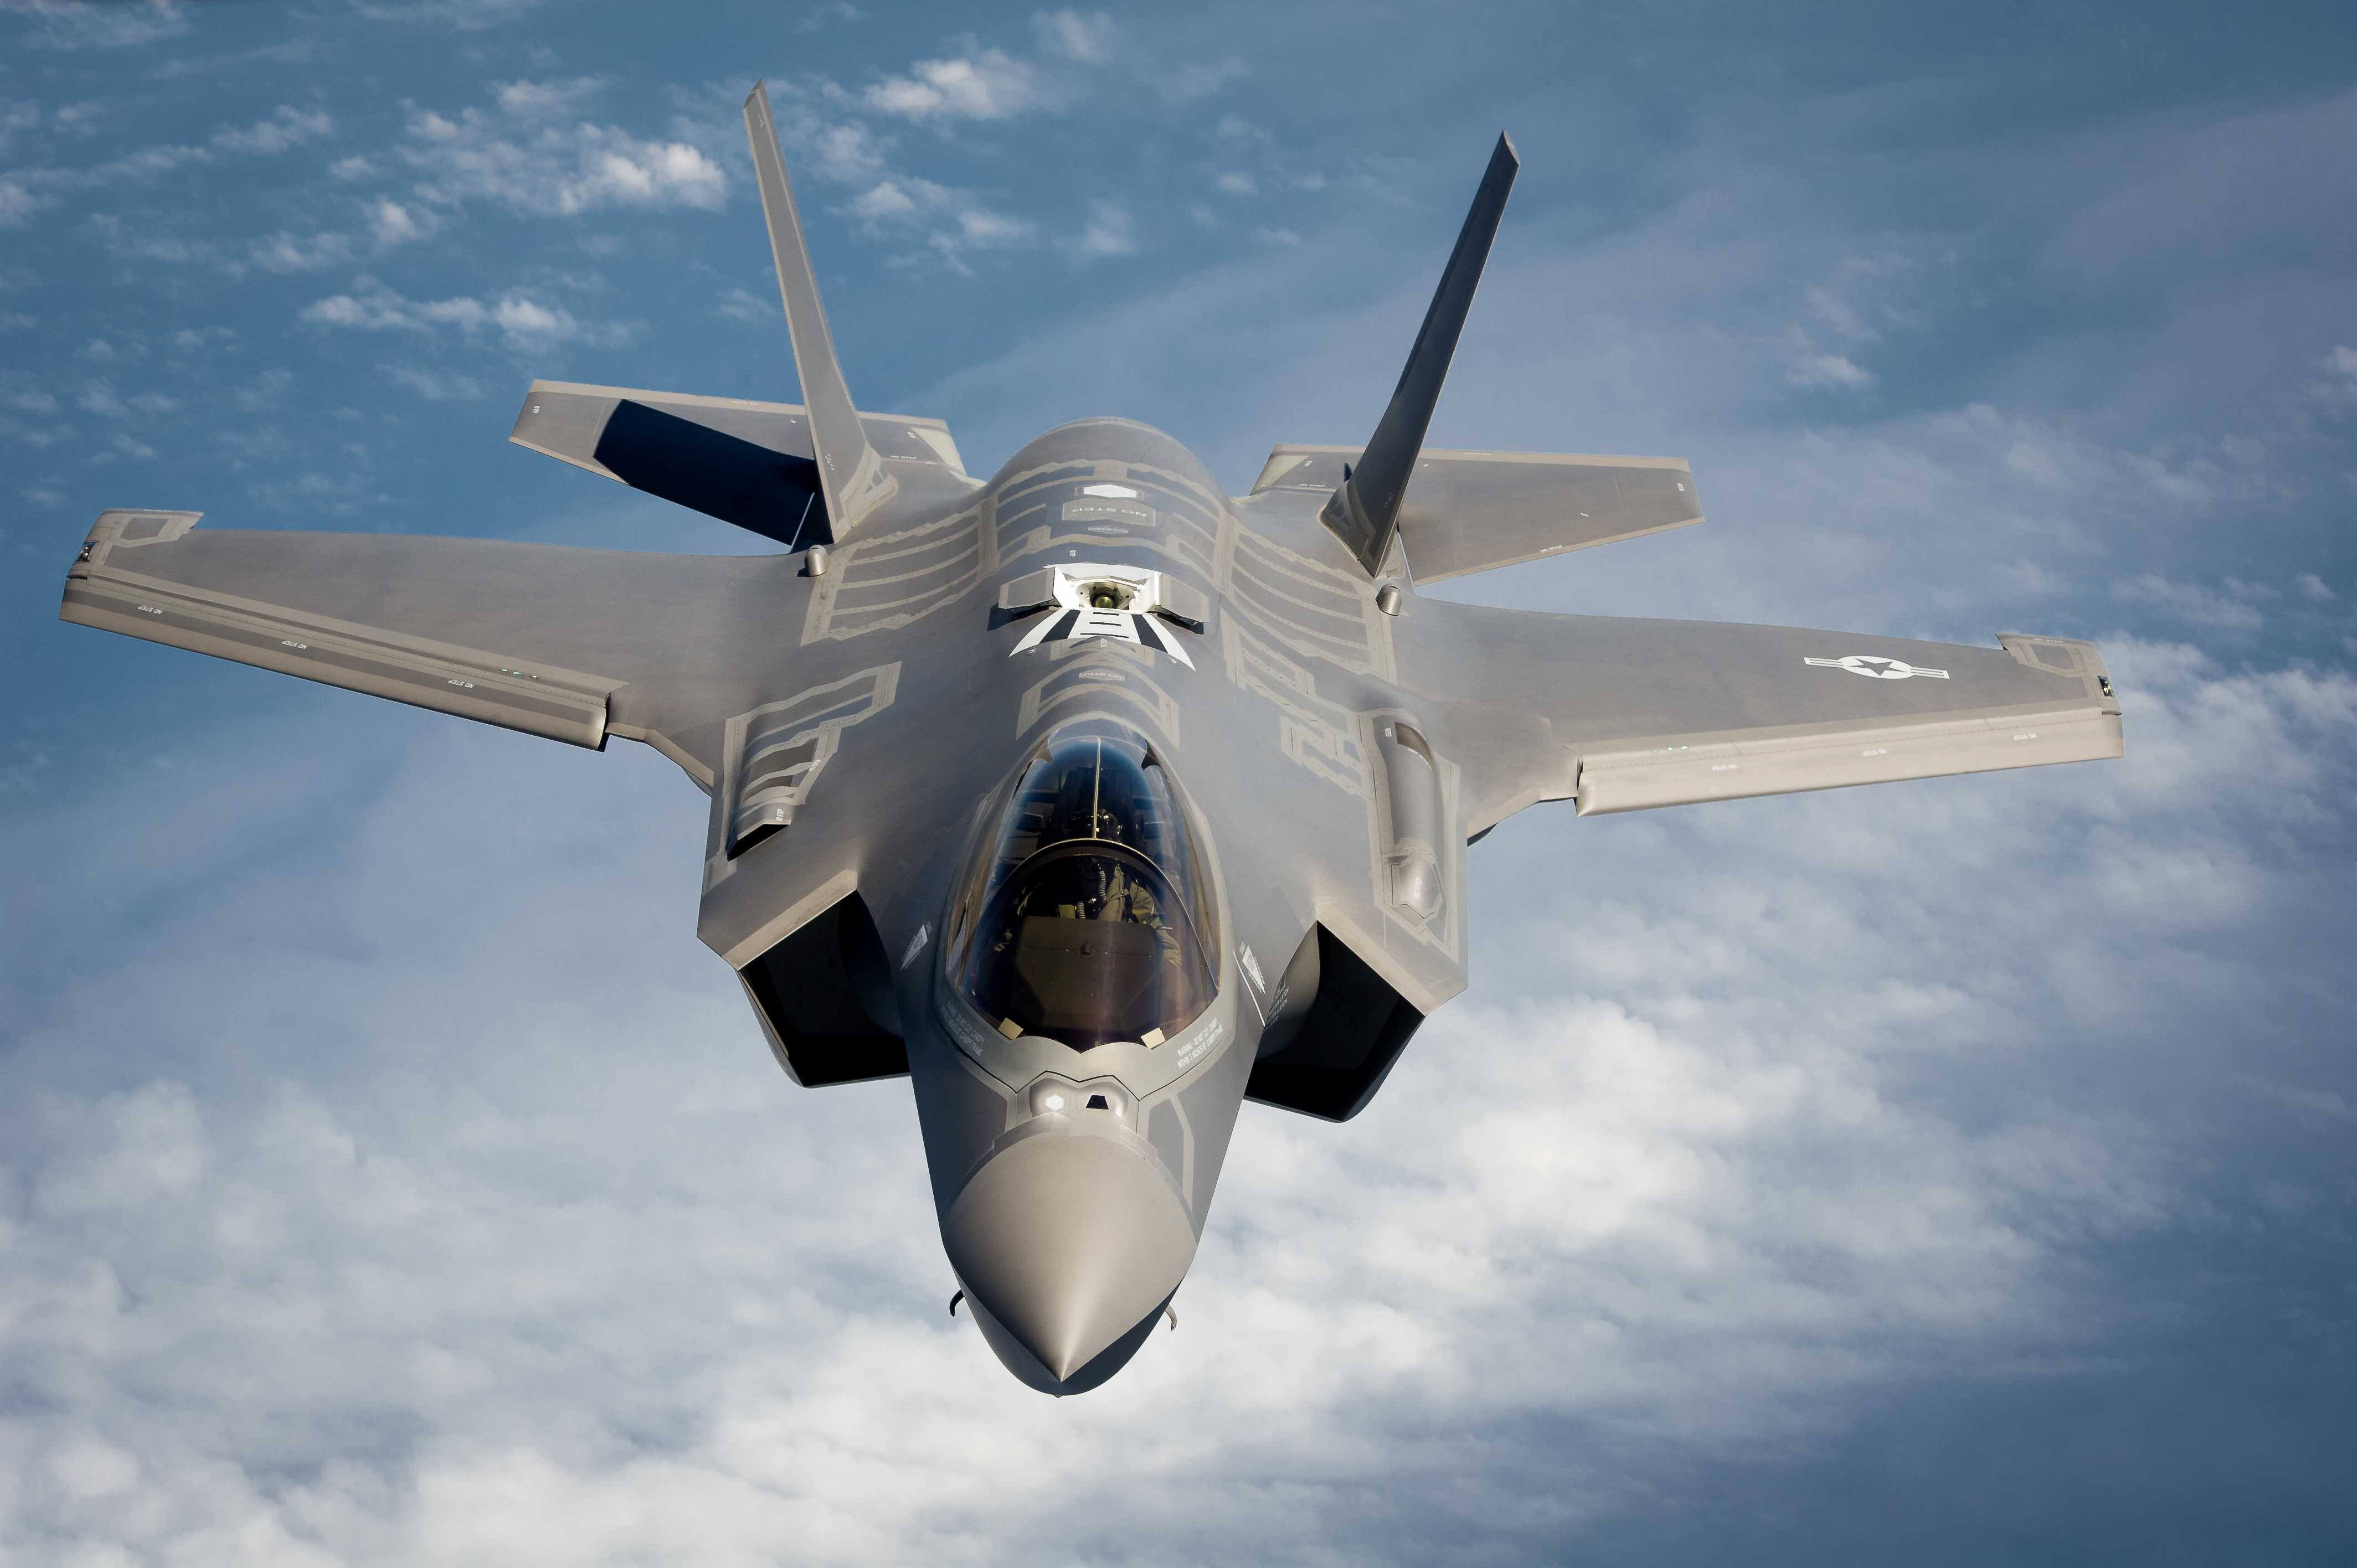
[[1946, 1171]]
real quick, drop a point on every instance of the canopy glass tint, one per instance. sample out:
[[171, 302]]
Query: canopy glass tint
[[1090, 920]]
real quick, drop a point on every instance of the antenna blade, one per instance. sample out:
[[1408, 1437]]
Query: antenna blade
[[852, 478], [1365, 512]]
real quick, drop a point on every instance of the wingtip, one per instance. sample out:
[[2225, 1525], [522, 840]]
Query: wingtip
[[761, 93], [1506, 146]]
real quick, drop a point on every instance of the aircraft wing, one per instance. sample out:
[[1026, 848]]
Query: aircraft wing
[[570, 644], [1620, 714]]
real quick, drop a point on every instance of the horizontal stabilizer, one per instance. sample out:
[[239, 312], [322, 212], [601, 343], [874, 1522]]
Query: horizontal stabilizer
[[1469, 511], [748, 463]]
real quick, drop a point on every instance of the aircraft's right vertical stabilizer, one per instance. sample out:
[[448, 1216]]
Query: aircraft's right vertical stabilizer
[[851, 477], [1365, 512]]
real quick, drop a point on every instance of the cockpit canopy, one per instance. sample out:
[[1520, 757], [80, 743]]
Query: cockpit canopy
[[1085, 918]]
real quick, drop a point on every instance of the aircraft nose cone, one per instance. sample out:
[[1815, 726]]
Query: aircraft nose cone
[[1067, 1243]]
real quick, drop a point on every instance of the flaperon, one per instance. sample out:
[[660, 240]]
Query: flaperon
[[1089, 798]]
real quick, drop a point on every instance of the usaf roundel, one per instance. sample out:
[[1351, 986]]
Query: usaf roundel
[[1878, 668]]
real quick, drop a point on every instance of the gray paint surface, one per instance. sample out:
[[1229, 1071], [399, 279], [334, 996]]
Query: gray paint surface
[[1332, 757]]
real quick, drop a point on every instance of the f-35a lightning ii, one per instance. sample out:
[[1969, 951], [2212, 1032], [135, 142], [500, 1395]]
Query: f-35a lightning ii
[[1089, 798]]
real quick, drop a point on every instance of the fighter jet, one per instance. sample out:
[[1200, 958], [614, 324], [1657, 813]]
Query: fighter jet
[[1088, 797]]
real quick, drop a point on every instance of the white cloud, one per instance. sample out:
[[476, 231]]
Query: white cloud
[[18, 203], [290, 128], [1091, 38], [149, 1144], [1192, 79], [543, 98], [394, 223], [1829, 370], [15, 117], [1110, 232], [893, 202], [742, 306], [2338, 390], [817, 18], [2228, 606], [847, 152], [1834, 312], [521, 321], [527, 165], [980, 229], [987, 85], [952, 221], [67, 25], [1868, 295], [123, 445], [284, 253], [434, 386], [468, 16], [1237, 183], [1776, 1137], [28, 190], [264, 391], [294, 51]]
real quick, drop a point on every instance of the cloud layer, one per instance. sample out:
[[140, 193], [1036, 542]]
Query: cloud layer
[[1937, 1173], [590, 1275]]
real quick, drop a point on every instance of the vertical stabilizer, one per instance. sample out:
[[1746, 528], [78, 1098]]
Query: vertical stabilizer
[[851, 477], [1365, 512]]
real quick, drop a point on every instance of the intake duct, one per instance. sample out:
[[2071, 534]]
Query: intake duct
[[1327, 1056], [825, 998]]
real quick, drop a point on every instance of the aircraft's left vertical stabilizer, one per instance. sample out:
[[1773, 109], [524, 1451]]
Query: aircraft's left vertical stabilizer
[[851, 476]]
